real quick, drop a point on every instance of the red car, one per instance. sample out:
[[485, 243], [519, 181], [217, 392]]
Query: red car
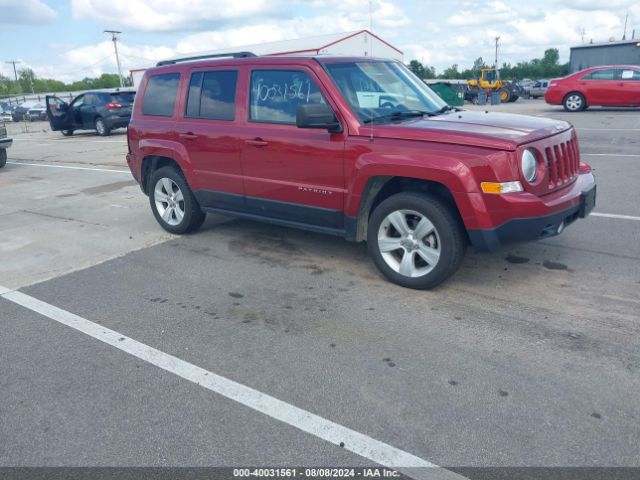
[[354, 147], [604, 86]]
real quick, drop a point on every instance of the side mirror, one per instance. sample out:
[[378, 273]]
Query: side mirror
[[317, 116]]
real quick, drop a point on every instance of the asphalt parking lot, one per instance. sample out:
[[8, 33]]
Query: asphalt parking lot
[[253, 345]]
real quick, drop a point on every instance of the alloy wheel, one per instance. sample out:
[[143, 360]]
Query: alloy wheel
[[169, 201], [409, 243]]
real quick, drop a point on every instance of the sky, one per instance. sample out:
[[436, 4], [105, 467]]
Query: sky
[[64, 39]]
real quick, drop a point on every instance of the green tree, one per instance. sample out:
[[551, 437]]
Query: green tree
[[416, 67], [451, 72]]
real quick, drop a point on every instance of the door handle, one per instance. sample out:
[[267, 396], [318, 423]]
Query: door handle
[[258, 142], [188, 136]]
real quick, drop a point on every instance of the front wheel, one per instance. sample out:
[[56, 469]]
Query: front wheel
[[3, 157], [67, 133], [415, 240], [172, 202], [101, 127]]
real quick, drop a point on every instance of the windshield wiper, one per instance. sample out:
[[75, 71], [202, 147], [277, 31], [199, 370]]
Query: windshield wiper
[[399, 115], [446, 108]]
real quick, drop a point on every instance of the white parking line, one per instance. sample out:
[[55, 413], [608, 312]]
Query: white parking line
[[358, 443], [615, 215], [77, 140], [610, 154], [68, 167], [610, 129]]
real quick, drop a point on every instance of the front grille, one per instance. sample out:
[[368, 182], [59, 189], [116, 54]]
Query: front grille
[[563, 160]]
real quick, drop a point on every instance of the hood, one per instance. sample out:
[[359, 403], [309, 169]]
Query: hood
[[503, 131]]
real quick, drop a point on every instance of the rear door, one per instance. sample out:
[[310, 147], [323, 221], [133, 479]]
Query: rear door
[[210, 133], [601, 87], [58, 113], [87, 111], [629, 82]]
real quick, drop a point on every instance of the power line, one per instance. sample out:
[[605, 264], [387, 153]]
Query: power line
[[114, 38]]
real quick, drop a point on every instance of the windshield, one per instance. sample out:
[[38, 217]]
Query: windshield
[[383, 91]]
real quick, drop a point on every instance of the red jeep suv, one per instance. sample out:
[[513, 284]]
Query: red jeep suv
[[354, 147]]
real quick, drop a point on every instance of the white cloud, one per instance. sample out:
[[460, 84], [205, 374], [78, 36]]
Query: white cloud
[[25, 12], [166, 15]]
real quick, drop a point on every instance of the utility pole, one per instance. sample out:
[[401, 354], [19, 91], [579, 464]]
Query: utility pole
[[114, 38], [497, 39], [15, 72]]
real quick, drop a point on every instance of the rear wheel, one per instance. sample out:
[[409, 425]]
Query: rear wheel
[[173, 203], [415, 240], [101, 127], [3, 157], [574, 102], [505, 95]]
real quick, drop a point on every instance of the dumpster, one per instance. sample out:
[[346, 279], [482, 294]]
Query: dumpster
[[449, 93]]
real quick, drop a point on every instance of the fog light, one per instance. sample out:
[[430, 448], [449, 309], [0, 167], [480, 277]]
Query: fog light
[[504, 187]]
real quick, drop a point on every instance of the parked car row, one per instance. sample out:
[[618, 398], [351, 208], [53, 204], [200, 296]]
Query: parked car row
[[29, 111]]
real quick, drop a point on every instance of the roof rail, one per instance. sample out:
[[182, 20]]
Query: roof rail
[[204, 57]]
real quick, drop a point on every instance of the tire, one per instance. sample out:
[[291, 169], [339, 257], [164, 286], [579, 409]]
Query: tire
[[505, 95], [101, 127], [182, 213], [67, 133], [444, 241], [3, 157], [574, 102]]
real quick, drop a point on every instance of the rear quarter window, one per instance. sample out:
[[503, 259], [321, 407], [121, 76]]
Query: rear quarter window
[[160, 95]]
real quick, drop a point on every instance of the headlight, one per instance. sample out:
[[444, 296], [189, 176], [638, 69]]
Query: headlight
[[529, 165]]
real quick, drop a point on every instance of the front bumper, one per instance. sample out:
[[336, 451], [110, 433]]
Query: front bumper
[[534, 228]]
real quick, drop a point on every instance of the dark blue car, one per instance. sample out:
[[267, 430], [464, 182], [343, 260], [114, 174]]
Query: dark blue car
[[99, 111]]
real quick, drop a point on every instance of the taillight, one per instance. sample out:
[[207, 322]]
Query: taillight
[[113, 106]]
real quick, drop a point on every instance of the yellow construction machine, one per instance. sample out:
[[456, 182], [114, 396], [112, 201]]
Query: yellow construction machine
[[490, 81]]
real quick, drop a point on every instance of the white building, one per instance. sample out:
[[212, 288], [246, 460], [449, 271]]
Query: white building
[[361, 43]]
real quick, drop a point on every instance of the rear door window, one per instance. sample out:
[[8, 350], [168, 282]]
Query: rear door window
[[276, 94], [160, 96], [601, 75], [212, 95]]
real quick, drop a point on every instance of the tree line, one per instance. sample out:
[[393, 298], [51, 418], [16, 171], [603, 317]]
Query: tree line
[[546, 67], [29, 83]]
